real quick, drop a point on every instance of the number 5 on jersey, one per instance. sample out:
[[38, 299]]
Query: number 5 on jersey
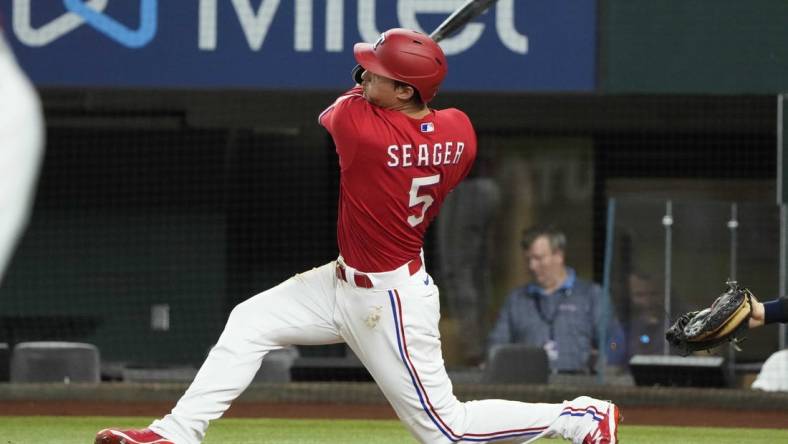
[[425, 199]]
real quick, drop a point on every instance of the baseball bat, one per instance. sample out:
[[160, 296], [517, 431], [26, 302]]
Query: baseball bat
[[459, 18]]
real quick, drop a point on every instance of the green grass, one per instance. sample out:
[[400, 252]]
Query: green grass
[[699, 435], [80, 430]]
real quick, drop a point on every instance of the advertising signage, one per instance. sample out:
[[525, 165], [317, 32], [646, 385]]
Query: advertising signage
[[518, 45]]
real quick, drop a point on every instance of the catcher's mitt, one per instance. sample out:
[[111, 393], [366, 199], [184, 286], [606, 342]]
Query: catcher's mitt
[[725, 320]]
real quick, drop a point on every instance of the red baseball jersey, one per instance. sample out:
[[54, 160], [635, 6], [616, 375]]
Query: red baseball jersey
[[395, 172]]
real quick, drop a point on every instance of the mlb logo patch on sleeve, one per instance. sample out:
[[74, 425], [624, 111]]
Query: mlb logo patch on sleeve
[[427, 127]]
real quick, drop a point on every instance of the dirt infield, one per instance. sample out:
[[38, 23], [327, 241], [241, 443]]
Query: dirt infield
[[632, 415]]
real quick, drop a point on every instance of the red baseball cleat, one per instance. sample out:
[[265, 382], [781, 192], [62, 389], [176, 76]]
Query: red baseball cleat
[[143, 436], [607, 431]]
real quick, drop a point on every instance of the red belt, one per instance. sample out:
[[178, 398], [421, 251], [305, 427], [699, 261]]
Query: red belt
[[363, 281]]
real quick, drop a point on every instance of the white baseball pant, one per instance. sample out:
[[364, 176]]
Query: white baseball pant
[[393, 329]]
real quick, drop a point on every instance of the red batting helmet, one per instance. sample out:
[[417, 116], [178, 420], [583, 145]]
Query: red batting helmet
[[408, 56]]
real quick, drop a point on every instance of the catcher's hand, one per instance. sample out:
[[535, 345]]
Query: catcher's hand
[[725, 320]]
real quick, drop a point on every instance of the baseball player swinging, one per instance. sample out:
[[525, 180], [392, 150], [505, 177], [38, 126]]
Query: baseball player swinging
[[398, 160]]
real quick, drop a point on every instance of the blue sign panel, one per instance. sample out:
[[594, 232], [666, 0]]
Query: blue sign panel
[[518, 45]]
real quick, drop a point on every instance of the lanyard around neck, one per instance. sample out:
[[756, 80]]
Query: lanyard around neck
[[540, 309]]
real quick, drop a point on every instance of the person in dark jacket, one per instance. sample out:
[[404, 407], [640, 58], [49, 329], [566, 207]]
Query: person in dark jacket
[[558, 310]]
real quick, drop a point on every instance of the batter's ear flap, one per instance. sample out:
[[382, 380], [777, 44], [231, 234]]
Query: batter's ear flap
[[356, 73]]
